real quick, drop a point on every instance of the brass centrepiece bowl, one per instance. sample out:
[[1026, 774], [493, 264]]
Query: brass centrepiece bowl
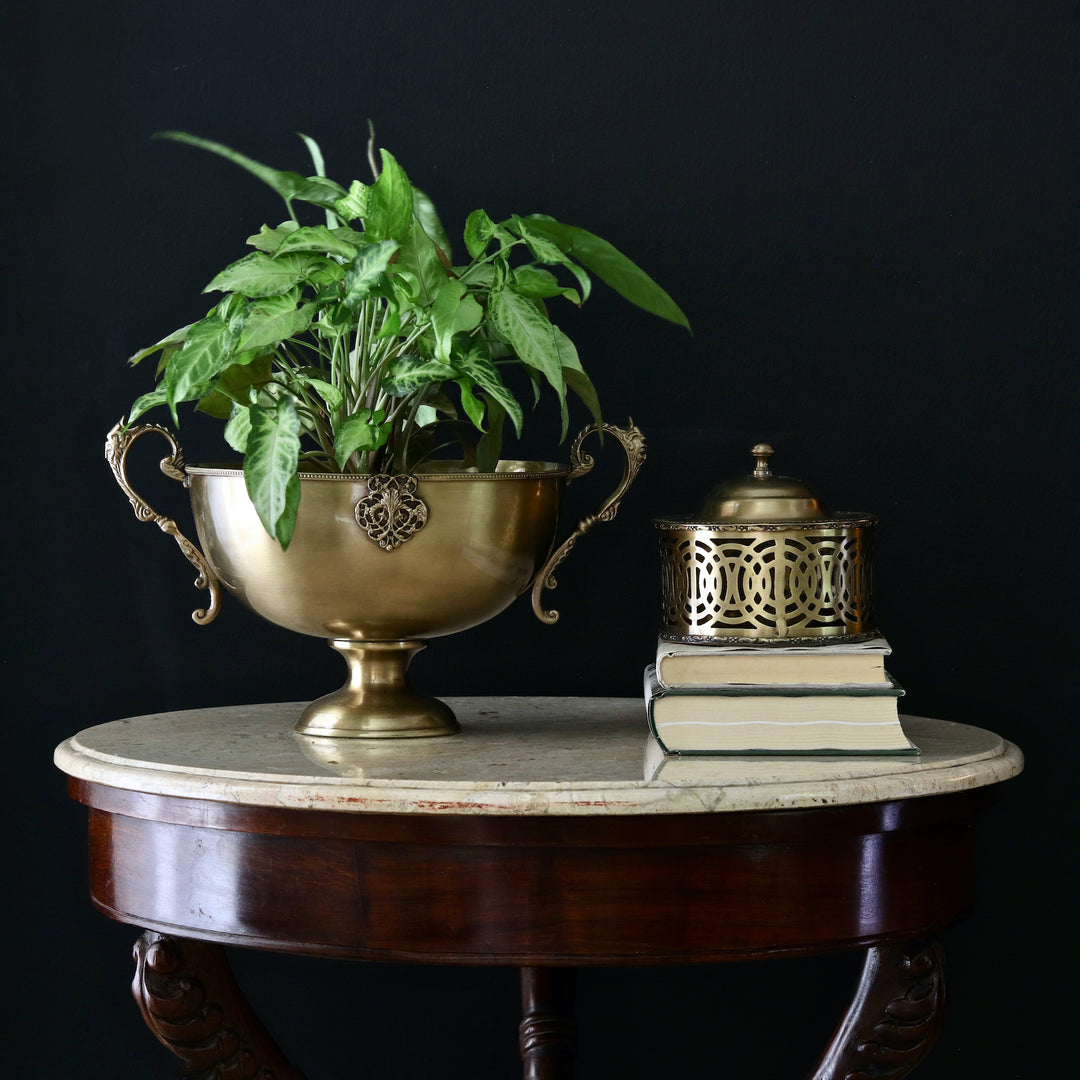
[[378, 565], [485, 537]]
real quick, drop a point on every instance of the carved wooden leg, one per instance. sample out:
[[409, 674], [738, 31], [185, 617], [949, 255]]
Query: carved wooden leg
[[191, 1002], [547, 1034], [895, 1017]]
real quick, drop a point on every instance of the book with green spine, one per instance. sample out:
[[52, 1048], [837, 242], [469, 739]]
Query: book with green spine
[[848, 718]]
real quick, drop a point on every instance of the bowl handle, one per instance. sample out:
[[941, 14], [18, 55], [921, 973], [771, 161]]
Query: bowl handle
[[117, 444], [632, 441]]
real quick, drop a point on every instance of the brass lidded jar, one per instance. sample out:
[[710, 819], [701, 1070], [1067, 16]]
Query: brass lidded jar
[[765, 562]]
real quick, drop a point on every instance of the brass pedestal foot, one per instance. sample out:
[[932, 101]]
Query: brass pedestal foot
[[376, 701]]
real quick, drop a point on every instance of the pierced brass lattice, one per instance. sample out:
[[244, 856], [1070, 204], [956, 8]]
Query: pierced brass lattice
[[773, 581]]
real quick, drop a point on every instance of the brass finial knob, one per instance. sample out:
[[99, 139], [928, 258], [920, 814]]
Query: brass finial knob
[[762, 452]]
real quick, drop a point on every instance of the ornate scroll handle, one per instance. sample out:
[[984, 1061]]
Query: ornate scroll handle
[[633, 443], [117, 444]]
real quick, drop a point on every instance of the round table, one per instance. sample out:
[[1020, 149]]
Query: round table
[[549, 834]]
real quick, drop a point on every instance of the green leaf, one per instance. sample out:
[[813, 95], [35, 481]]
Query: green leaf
[[175, 338], [233, 311], [473, 406], [276, 305], [435, 402], [406, 374], [163, 360], [145, 403], [366, 270], [542, 284], [289, 185], [546, 251], [330, 394], [320, 170], [476, 275], [257, 275], [397, 300], [319, 238], [611, 266], [479, 232], [576, 379], [454, 310], [238, 429], [476, 368], [479, 229], [424, 211], [426, 415], [582, 385], [390, 202], [273, 450], [263, 329], [233, 384], [529, 333], [354, 204], [315, 151], [321, 272], [207, 352], [269, 240], [335, 320], [417, 257], [489, 445], [345, 232], [363, 431]]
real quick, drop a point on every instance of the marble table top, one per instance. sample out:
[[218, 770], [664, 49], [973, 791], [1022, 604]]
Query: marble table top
[[514, 756]]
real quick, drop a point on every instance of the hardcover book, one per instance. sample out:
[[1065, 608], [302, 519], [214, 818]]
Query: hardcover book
[[717, 665], [776, 719]]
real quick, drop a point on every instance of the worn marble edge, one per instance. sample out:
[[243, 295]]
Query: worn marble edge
[[580, 797], [640, 797]]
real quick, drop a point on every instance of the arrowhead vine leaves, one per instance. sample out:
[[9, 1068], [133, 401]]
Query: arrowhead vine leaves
[[341, 346]]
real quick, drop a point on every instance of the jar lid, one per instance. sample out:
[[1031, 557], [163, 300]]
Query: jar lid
[[762, 496]]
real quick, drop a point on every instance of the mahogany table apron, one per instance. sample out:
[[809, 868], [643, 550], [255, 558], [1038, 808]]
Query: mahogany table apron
[[545, 875]]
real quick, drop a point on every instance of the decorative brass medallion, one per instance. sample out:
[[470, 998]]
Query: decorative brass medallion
[[391, 513]]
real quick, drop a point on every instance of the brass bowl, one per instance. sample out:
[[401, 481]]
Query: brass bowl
[[483, 541], [378, 565]]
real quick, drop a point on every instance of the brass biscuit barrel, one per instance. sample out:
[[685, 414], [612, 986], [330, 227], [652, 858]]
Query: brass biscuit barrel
[[764, 562]]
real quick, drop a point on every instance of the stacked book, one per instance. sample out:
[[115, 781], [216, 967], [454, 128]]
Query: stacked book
[[834, 698]]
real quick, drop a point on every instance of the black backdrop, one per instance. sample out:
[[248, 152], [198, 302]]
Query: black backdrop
[[869, 213]]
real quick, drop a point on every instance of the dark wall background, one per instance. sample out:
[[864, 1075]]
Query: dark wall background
[[869, 213]]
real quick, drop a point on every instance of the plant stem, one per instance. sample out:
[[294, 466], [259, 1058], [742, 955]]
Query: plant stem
[[371, 150], [486, 259]]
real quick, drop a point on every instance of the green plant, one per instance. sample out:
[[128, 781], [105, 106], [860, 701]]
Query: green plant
[[337, 346]]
